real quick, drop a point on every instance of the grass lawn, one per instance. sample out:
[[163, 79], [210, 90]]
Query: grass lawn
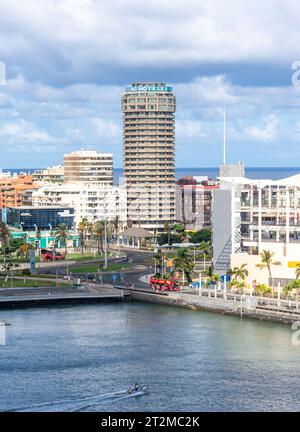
[[19, 283], [79, 257], [93, 268]]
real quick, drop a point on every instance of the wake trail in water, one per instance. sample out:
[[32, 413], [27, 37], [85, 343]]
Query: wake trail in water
[[73, 405]]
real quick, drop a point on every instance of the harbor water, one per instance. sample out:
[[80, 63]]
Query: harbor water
[[82, 358]]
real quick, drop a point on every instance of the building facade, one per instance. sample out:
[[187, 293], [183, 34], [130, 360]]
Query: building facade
[[193, 201], [88, 166], [149, 154], [42, 218], [54, 174], [90, 200], [250, 216], [13, 189]]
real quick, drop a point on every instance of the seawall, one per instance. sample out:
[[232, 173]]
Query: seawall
[[217, 305]]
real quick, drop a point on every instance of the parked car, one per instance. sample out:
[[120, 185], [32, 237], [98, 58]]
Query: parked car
[[48, 255]]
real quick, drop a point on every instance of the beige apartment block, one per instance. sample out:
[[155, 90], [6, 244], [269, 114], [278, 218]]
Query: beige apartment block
[[88, 166]]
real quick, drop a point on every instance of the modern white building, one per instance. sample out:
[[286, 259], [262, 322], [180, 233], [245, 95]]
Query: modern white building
[[90, 200], [250, 216]]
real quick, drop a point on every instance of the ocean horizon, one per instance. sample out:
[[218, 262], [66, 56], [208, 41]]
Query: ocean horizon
[[272, 173]]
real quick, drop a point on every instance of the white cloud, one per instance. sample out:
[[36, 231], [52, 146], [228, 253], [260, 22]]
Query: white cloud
[[71, 37], [268, 132], [25, 137], [187, 129]]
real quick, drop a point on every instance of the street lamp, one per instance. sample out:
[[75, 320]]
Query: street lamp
[[105, 235]]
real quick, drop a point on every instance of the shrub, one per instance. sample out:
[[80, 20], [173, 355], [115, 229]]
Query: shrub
[[26, 272], [262, 289]]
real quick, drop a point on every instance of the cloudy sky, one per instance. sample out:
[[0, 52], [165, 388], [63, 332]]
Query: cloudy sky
[[67, 62]]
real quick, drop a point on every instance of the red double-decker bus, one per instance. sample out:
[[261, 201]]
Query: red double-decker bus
[[160, 284]]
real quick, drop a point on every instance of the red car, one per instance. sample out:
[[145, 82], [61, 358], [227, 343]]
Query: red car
[[48, 255]]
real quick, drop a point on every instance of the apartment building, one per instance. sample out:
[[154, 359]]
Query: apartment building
[[93, 201], [13, 189], [53, 174], [88, 166], [250, 216], [149, 154], [193, 201]]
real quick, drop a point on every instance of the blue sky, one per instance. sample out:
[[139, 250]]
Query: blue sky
[[68, 61]]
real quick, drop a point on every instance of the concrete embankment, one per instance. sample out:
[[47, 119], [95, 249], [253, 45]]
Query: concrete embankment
[[30, 298], [219, 305]]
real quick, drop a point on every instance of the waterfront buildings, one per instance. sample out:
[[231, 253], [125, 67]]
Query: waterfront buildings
[[250, 216], [193, 201], [88, 166], [92, 201], [42, 218], [149, 154], [53, 174], [13, 189]]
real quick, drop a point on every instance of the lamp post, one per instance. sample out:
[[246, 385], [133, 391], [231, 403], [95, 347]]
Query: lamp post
[[105, 235], [200, 283]]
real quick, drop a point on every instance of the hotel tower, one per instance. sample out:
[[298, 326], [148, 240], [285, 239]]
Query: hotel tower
[[149, 154]]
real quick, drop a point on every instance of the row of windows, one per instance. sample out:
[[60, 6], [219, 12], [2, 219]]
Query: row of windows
[[156, 114], [150, 99]]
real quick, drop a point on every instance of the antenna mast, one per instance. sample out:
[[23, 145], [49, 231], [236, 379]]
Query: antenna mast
[[224, 137]]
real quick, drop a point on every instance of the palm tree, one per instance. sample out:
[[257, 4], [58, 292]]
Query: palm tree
[[98, 232], [82, 230], [24, 249], [62, 234], [266, 258], [215, 278], [239, 273], [5, 235], [168, 229], [115, 225], [184, 262], [158, 259]]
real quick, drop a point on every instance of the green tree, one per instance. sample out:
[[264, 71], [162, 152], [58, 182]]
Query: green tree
[[179, 228], [61, 234], [5, 236], [38, 236], [15, 243], [115, 225], [292, 286], [99, 232], [262, 289], [184, 262], [297, 271], [158, 257], [239, 273], [165, 238], [266, 261], [25, 249], [215, 278], [203, 235], [83, 229], [168, 230]]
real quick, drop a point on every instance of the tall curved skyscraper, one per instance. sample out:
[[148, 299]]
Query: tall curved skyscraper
[[149, 154]]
